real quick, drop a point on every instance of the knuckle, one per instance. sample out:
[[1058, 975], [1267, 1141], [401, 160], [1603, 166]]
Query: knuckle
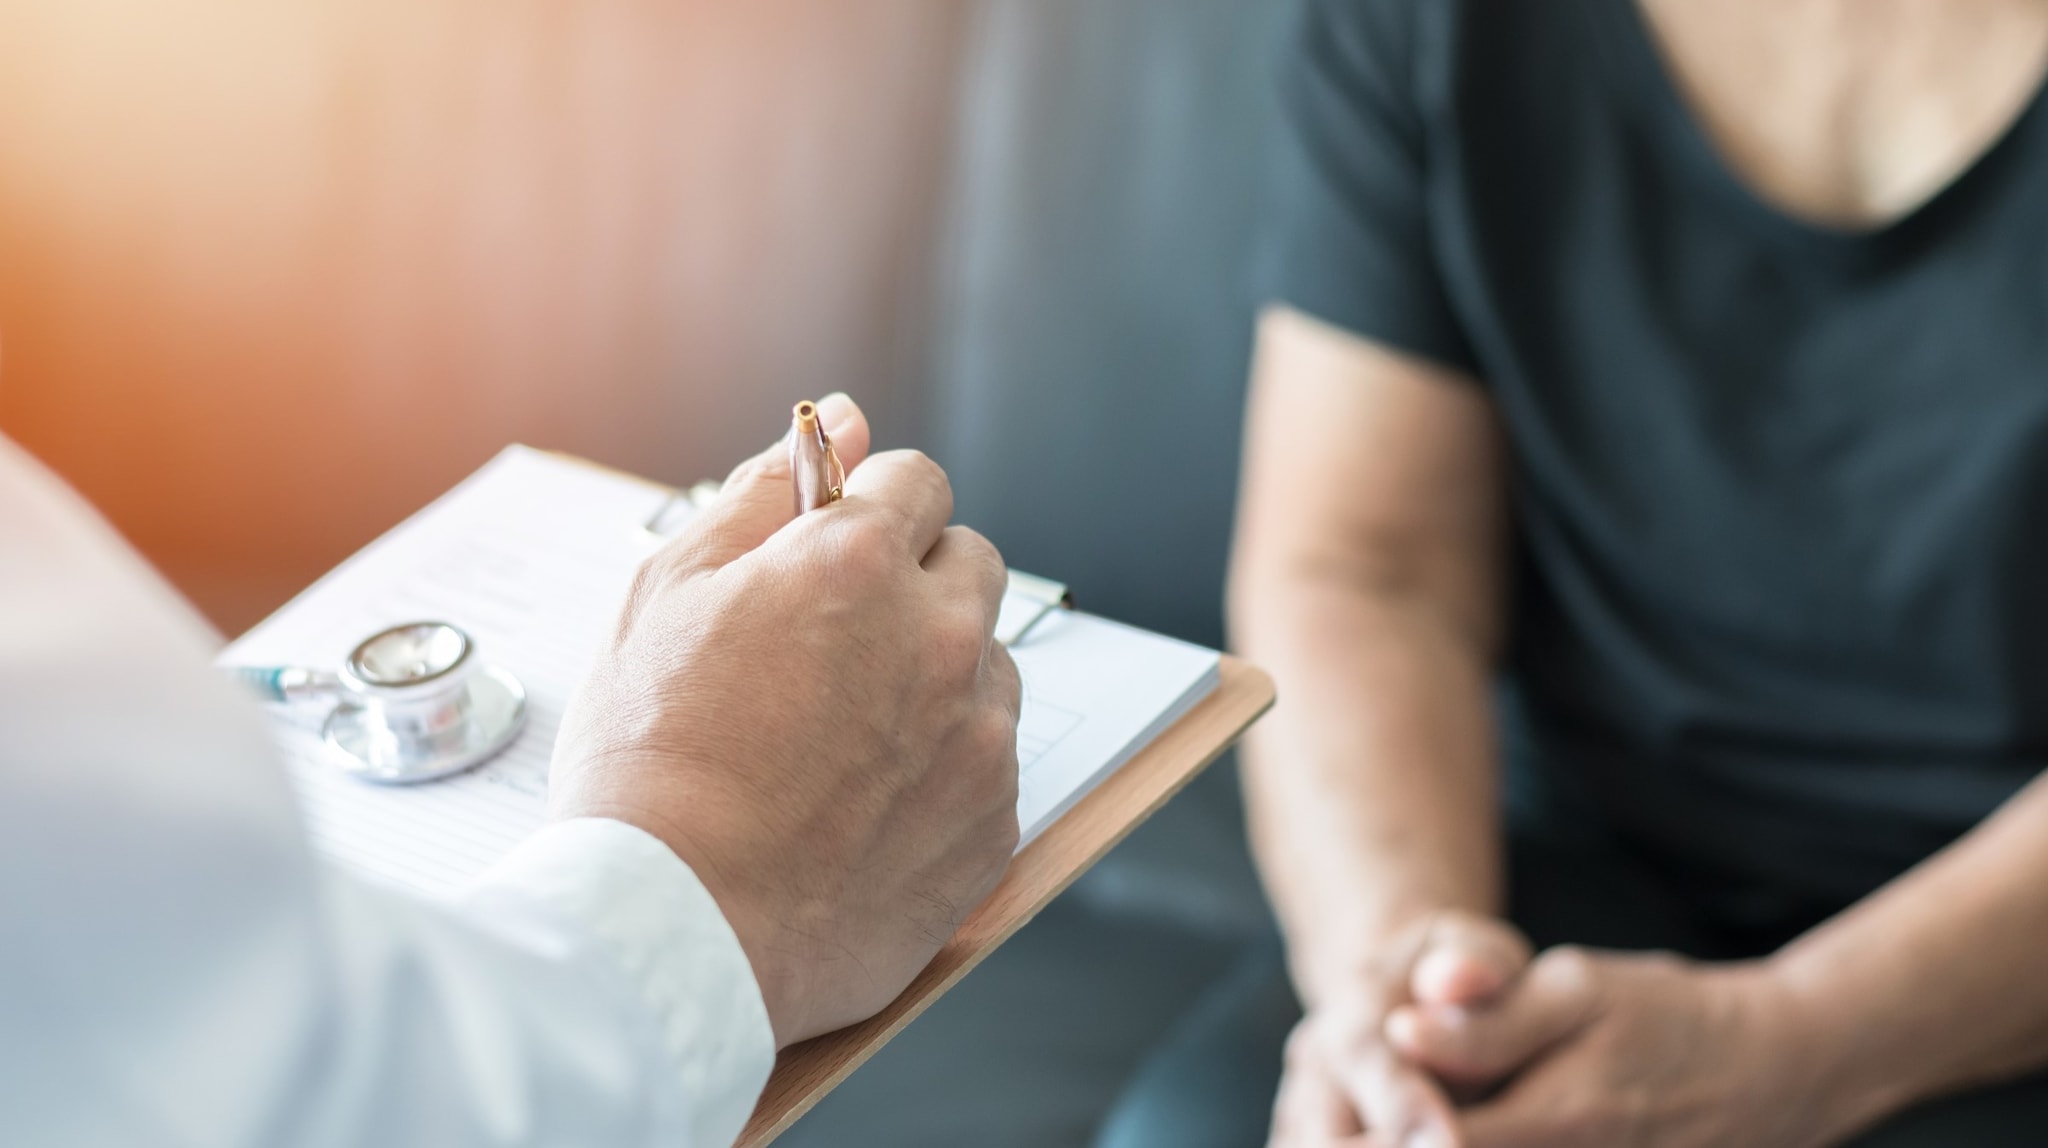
[[1489, 940], [1484, 928], [1009, 682], [656, 575], [886, 525], [992, 739], [1664, 960], [958, 643], [1371, 1057], [1569, 967], [898, 521], [1513, 943], [976, 547], [1005, 834], [906, 467], [648, 579], [770, 464], [920, 467], [859, 545], [1355, 1036]]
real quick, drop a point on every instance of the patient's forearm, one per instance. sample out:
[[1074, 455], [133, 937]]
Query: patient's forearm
[[1937, 982], [1371, 788], [1366, 575]]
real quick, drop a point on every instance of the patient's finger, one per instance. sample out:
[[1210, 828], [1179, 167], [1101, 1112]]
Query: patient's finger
[[1553, 1000], [1400, 1104], [1467, 959], [1311, 1109]]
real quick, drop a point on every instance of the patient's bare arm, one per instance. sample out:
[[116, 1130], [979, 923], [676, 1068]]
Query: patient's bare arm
[[1367, 576], [1936, 981]]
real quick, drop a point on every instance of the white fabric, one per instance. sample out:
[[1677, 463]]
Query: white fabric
[[177, 969]]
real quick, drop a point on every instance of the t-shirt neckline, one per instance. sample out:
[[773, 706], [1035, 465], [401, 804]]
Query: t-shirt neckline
[[1646, 83]]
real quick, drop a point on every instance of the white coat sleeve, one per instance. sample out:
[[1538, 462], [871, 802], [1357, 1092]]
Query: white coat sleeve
[[176, 968]]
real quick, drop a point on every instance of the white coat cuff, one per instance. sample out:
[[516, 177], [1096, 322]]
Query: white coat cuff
[[649, 912]]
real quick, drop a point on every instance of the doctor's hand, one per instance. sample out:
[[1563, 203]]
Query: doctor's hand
[[1346, 1084], [812, 712]]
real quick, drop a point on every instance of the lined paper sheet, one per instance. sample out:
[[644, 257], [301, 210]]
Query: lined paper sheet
[[533, 555]]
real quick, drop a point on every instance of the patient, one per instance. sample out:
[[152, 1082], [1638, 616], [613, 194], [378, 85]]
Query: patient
[[1645, 513]]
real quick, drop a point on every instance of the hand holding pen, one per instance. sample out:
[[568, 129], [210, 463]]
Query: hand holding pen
[[813, 714]]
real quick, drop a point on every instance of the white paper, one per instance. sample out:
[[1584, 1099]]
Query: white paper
[[533, 555]]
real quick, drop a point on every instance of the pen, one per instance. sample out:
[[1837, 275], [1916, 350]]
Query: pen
[[813, 469]]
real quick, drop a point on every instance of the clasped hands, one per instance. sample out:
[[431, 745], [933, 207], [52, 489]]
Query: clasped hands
[[1457, 1036]]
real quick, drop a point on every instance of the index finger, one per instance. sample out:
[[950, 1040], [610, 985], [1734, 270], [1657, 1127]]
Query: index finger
[[1396, 1101], [906, 489], [1310, 1110], [1554, 1000], [1399, 1102]]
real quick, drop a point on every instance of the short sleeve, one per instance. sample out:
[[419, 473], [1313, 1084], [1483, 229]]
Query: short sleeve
[[1346, 233]]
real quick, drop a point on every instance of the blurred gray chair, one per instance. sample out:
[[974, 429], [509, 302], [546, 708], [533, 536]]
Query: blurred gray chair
[[1093, 332], [1089, 327]]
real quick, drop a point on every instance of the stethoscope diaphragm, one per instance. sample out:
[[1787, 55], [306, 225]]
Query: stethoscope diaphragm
[[413, 704]]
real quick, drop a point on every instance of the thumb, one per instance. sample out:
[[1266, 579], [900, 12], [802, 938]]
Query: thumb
[[1556, 998], [754, 503], [1466, 960]]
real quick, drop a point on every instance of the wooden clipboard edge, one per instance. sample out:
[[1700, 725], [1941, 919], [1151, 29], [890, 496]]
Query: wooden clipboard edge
[[805, 1073]]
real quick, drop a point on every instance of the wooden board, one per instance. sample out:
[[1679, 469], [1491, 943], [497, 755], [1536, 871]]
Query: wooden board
[[806, 1072]]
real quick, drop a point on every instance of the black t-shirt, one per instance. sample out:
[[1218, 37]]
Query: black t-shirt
[[1781, 491]]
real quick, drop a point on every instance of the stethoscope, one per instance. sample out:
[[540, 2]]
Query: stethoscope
[[412, 703]]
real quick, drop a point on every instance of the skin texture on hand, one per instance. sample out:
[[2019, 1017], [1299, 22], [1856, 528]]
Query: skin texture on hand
[[1624, 1050], [1346, 1083], [812, 712]]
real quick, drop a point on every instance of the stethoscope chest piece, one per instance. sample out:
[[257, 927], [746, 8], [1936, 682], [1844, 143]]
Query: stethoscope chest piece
[[419, 706]]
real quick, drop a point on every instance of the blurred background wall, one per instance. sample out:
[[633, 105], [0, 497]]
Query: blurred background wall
[[273, 275]]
